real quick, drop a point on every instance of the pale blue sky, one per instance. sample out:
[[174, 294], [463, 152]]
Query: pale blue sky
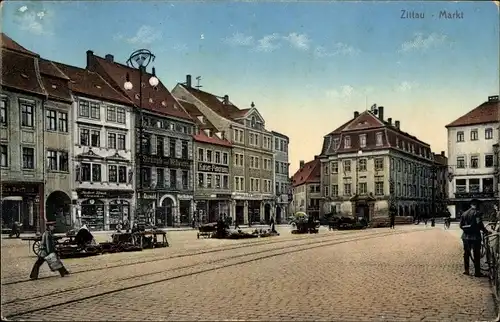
[[307, 65]]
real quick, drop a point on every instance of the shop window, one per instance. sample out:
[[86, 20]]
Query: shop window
[[119, 210], [93, 214]]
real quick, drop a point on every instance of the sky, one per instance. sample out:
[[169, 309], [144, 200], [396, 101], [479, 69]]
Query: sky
[[307, 65]]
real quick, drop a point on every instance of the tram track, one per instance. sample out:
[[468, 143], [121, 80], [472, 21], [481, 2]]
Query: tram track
[[156, 258], [78, 294]]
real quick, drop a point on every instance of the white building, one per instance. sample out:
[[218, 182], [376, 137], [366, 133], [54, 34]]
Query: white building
[[471, 158], [281, 175], [102, 156]]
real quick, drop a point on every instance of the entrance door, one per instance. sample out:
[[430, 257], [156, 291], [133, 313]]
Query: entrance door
[[239, 214], [267, 213], [363, 210], [168, 206], [278, 215]]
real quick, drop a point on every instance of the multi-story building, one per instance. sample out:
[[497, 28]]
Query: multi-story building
[[281, 175], [103, 190], [252, 153], [212, 170], [440, 173], [166, 157], [306, 189], [370, 165], [471, 140], [34, 125]]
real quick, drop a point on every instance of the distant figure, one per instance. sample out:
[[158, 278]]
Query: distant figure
[[193, 223], [392, 220], [433, 222], [472, 225], [272, 225], [126, 224]]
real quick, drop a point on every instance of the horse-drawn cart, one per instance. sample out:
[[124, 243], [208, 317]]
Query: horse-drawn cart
[[207, 230]]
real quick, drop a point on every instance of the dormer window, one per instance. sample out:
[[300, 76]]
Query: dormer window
[[362, 140], [201, 119], [347, 142], [253, 122], [208, 132], [379, 141], [219, 134], [336, 143]]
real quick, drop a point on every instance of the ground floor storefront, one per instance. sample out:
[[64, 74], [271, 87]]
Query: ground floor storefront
[[22, 202], [457, 207], [103, 209], [281, 213], [210, 208], [165, 209], [252, 211]]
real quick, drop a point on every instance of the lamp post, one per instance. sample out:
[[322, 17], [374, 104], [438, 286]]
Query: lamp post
[[140, 59]]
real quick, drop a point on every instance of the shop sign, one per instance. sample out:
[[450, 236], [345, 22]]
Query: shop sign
[[184, 197], [148, 196], [223, 196], [98, 194], [156, 160], [19, 189], [214, 168]]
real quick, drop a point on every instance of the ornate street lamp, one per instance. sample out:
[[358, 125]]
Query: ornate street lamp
[[140, 59]]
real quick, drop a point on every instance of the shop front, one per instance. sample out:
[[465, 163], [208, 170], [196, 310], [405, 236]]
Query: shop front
[[211, 208], [104, 209], [21, 202]]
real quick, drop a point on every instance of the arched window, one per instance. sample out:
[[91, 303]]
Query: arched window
[[119, 210], [93, 214]]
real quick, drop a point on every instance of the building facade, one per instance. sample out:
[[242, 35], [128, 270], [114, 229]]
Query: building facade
[[440, 184], [306, 189], [281, 175], [165, 161], [103, 141], [471, 154], [369, 165], [212, 169], [253, 197]]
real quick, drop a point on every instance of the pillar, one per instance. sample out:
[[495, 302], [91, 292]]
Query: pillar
[[233, 210], [193, 210], [30, 213], [177, 214], [245, 213], [262, 215], [106, 215]]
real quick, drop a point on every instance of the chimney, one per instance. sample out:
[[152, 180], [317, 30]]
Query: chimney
[[188, 81], [226, 99], [397, 124], [381, 113], [110, 58], [301, 164], [356, 114], [389, 120], [442, 153], [90, 55], [493, 98]]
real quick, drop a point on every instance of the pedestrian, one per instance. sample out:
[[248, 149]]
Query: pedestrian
[[48, 252], [273, 229], [193, 223], [393, 220], [472, 225], [433, 222]]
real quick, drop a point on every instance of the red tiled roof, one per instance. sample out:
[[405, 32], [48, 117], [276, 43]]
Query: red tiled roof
[[488, 112], [19, 72], [194, 112], [215, 103], [55, 82], [309, 173], [214, 139], [365, 120], [85, 82], [240, 113], [158, 100], [48, 68], [10, 44], [340, 128]]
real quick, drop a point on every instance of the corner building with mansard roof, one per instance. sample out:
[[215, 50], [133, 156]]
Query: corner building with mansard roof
[[252, 197], [369, 165]]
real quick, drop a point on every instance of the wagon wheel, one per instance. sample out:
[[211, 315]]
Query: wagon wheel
[[36, 247]]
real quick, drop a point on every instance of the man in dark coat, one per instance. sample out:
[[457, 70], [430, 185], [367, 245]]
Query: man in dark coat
[[472, 225], [47, 246]]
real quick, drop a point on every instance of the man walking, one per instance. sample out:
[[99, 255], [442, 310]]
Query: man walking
[[392, 217], [47, 247], [471, 224]]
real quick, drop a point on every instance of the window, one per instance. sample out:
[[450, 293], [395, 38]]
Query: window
[[239, 183], [86, 171], [173, 178], [473, 185], [474, 161], [473, 135], [347, 166], [488, 185], [63, 122], [239, 136], [217, 157], [3, 112], [27, 114], [225, 181], [122, 174], [225, 158], [120, 115], [217, 181], [185, 179], [209, 156], [112, 172], [95, 111], [209, 180], [488, 161], [335, 167], [146, 143], [83, 109], [201, 154], [184, 150], [336, 143], [326, 191], [347, 189], [146, 177], [50, 120], [378, 138], [379, 164], [171, 142], [121, 141], [96, 172], [362, 165], [238, 160], [160, 177], [362, 140], [111, 140], [201, 180], [347, 142], [326, 169], [276, 143], [63, 161], [160, 146], [461, 162], [4, 156], [488, 133], [28, 158], [111, 114], [335, 190], [363, 188], [460, 136], [461, 185], [95, 138], [379, 188], [276, 167], [52, 160]]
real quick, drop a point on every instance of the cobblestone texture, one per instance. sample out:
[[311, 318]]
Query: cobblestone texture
[[413, 276]]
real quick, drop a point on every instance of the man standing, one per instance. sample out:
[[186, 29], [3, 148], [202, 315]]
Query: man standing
[[392, 217], [471, 224], [47, 247]]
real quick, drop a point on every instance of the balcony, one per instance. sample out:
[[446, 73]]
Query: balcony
[[488, 192]]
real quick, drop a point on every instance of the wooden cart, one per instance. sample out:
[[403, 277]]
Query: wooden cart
[[37, 242], [153, 239], [207, 230]]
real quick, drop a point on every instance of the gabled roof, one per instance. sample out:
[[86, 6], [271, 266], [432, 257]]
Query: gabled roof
[[488, 112], [365, 120], [87, 83], [10, 44], [340, 128], [55, 82], [309, 173], [215, 103], [194, 112], [213, 139], [241, 113], [157, 100], [19, 72]]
